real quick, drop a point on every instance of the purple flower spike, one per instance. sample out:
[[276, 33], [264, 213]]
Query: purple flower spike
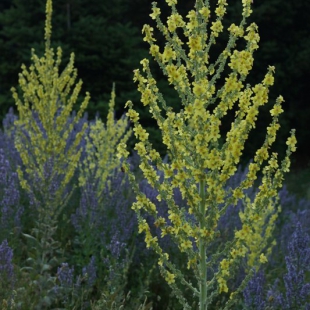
[[6, 265], [254, 292], [10, 209], [65, 275], [297, 291], [90, 272]]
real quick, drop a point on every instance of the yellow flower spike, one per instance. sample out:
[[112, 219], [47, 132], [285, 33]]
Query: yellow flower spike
[[201, 158], [291, 142], [52, 95]]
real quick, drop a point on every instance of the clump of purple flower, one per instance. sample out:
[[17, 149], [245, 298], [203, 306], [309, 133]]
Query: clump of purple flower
[[7, 275], [10, 209], [295, 293]]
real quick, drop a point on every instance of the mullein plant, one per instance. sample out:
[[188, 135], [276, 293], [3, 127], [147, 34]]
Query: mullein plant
[[48, 153], [100, 160], [201, 159], [43, 128]]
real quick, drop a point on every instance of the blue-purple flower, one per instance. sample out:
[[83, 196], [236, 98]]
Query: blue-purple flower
[[7, 275]]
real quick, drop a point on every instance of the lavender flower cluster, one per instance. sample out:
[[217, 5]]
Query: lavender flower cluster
[[292, 291], [7, 274], [6, 264]]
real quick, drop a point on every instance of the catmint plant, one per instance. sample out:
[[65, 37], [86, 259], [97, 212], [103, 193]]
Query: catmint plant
[[297, 287], [201, 158], [10, 208], [254, 293], [7, 276], [290, 291]]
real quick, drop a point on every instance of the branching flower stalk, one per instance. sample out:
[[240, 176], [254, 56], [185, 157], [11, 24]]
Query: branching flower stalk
[[49, 149], [101, 143], [200, 163], [43, 126]]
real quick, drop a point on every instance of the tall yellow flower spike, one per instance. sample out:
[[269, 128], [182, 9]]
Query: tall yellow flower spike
[[101, 144], [43, 129], [201, 159]]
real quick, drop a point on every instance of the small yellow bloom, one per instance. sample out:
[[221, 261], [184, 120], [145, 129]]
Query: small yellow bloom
[[205, 12], [222, 285], [171, 2], [156, 12], [175, 21], [291, 142], [170, 278], [277, 110], [217, 27], [263, 259]]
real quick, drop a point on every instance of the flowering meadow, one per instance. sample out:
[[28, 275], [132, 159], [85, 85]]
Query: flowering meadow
[[86, 223]]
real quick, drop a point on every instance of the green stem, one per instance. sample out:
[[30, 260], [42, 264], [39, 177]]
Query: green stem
[[202, 249]]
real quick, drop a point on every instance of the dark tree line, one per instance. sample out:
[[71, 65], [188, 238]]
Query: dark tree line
[[107, 43]]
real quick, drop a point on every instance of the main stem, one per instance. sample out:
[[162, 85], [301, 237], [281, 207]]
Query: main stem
[[202, 249]]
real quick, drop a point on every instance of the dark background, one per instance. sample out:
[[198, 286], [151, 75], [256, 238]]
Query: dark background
[[107, 41]]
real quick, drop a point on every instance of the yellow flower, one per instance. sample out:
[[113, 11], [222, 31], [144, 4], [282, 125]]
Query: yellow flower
[[224, 265], [263, 259], [217, 27], [170, 277], [268, 80], [171, 2], [154, 50], [277, 110], [194, 43], [241, 62], [205, 12], [185, 244], [220, 11], [140, 133], [236, 30], [222, 285], [291, 142], [164, 257], [168, 53], [175, 21], [148, 31], [156, 12]]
